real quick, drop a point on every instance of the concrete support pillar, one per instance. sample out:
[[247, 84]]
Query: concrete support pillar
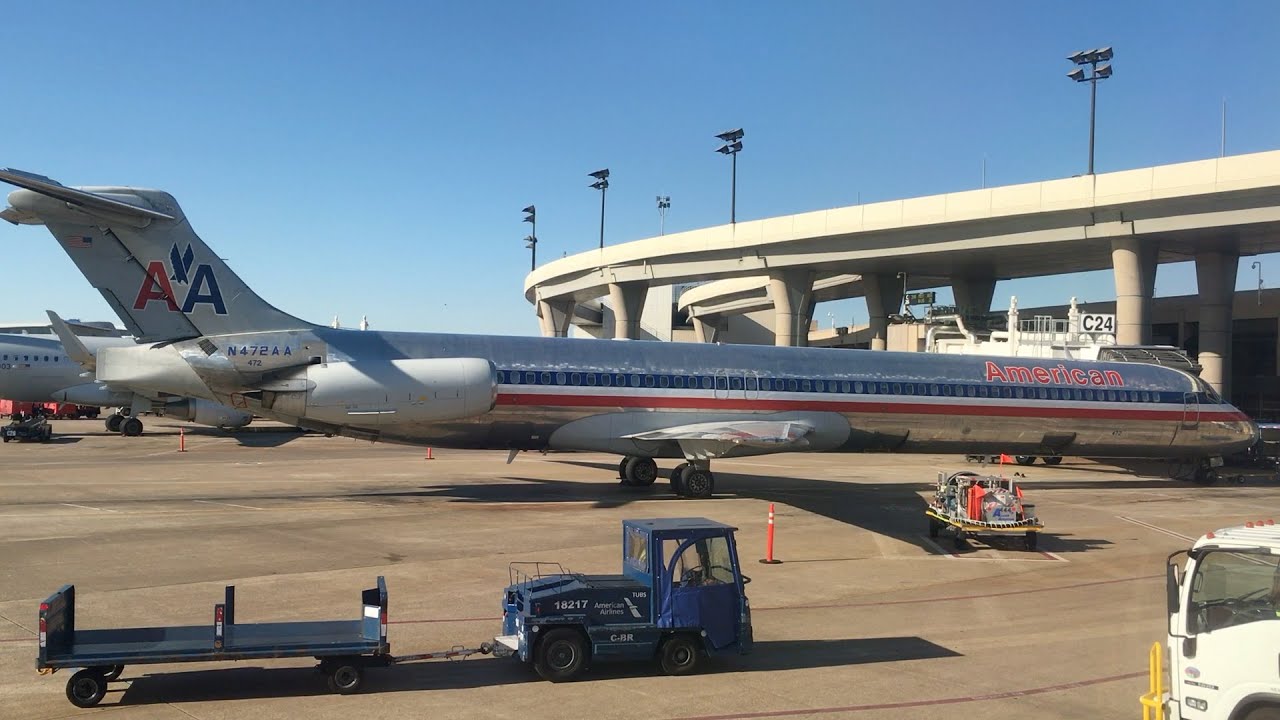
[[1134, 264], [1216, 277], [884, 296], [972, 294], [554, 316], [627, 302], [792, 293], [704, 330]]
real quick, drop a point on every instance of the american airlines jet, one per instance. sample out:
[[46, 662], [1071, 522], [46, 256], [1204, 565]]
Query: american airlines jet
[[210, 336]]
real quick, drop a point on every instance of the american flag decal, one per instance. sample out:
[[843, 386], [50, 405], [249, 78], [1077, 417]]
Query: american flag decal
[[79, 241]]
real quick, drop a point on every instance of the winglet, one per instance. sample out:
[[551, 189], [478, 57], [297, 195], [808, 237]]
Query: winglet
[[90, 201], [76, 349]]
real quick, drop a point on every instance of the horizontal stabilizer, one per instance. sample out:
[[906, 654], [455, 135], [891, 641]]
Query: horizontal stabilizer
[[80, 198]]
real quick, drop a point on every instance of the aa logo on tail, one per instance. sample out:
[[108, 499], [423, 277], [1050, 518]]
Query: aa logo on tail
[[198, 280]]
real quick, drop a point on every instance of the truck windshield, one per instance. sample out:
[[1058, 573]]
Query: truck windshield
[[1234, 589]]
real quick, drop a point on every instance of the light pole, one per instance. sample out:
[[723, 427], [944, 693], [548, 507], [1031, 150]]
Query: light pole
[[1091, 58], [732, 140], [664, 204], [1257, 265], [601, 184], [531, 241]]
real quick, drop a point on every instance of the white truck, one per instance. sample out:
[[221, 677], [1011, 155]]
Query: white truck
[[1224, 629]]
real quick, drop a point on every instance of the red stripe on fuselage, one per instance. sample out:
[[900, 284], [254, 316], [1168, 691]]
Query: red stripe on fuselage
[[667, 402]]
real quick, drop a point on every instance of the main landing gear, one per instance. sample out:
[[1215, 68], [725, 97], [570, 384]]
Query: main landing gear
[[126, 425], [689, 480]]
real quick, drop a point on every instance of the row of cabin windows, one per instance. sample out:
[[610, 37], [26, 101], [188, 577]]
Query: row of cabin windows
[[32, 358], [753, 384]]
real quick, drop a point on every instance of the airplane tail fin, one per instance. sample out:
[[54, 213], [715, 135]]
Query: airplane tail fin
[[74, 347], [138, 249]]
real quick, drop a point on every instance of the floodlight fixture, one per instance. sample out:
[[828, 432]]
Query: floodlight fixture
[[1077, 75], [1103, 72], [600, 174], [730, 136]]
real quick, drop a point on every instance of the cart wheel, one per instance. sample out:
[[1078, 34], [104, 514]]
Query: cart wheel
[[561, 655], [1029, 542], [935, 527], [960, 544], [679, 655], [345, 678], [86, 688], [111, 672]]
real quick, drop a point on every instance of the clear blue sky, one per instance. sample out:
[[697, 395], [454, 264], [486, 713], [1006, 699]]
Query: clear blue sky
[[372, 158]]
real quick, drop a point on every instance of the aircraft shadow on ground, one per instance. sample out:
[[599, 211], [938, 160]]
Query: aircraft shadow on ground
[[890, 509], [245, 683]]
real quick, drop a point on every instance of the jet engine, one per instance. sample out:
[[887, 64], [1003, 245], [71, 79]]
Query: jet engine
[[386, 392], [207, 412]]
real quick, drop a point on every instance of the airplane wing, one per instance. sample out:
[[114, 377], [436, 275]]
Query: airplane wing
[[716, 439], [76, 349]]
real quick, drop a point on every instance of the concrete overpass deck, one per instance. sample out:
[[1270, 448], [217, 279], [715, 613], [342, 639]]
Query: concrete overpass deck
[[1208, 210]]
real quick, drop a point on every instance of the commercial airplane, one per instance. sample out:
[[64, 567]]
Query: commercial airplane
[[40, 368], [211, 336]]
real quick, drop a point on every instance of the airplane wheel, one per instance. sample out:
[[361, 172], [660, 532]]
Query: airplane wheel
[[698, 483], [677, 478], [113, 422], [640, 472], [131, 427], [1054, 460], [622, 467], [1025, 459]]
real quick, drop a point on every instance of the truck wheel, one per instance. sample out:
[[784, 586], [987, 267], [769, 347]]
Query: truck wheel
[[679, 655], [131, 427], [1030, 541], [935, 527], [561, 655], [111, 672], [1025, 459], [1264, 712], [86, 688], [345, 677], [7, 438], [1053, 460]]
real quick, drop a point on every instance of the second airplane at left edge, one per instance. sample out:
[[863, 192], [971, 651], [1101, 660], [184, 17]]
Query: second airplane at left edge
[[40, 368]]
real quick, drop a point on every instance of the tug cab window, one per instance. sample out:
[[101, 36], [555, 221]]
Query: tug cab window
[[705, 562]]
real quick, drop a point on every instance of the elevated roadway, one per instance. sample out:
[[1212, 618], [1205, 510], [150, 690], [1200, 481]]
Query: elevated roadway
[[1211, 211]]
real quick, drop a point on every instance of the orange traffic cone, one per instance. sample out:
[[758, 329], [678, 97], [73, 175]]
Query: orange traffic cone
[[429, 457]]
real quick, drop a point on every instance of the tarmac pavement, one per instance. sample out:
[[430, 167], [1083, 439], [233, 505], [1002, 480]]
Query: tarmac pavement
[[865, 617]]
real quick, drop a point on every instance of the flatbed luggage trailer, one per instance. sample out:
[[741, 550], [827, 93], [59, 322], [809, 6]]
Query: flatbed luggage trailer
[[956, 506], [344, 648]]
